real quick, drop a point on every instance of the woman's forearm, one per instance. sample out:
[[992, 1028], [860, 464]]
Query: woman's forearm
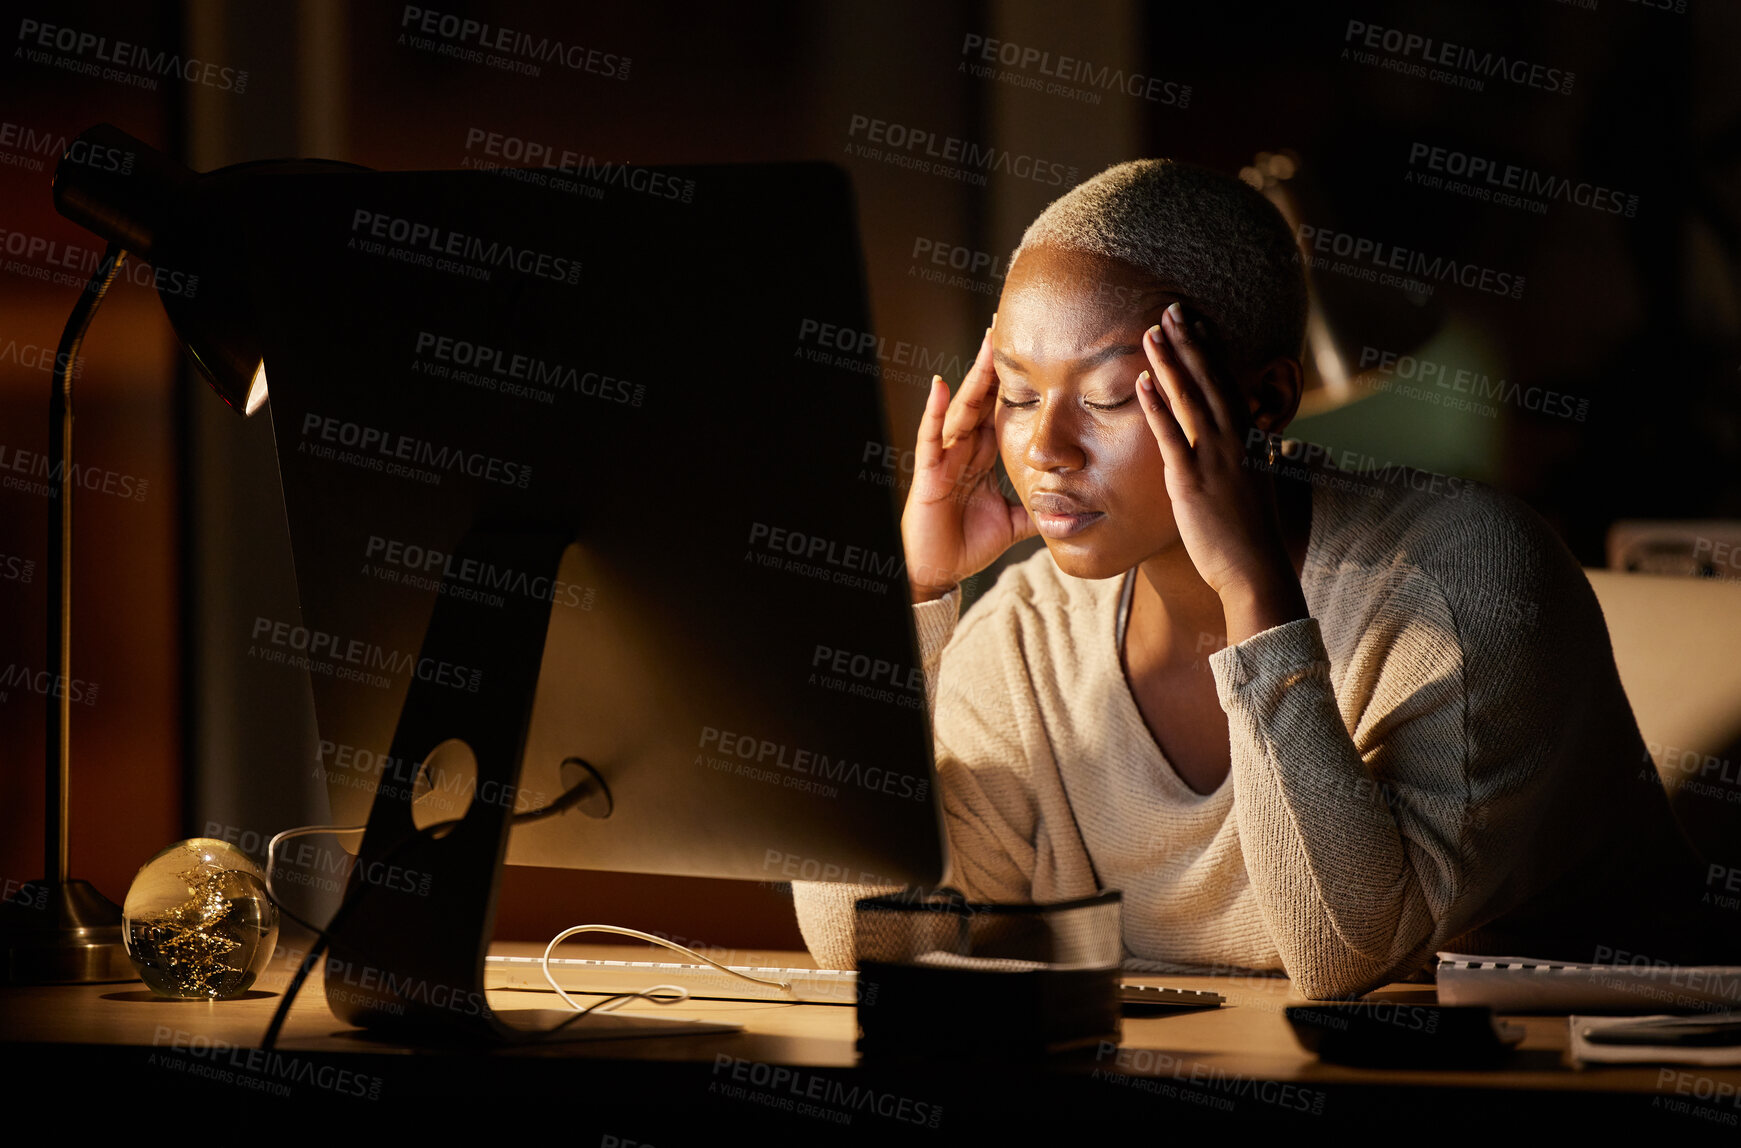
[[1353, 885], [1262, 605]]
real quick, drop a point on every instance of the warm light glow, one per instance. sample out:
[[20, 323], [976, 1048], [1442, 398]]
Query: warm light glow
[[257, 390]]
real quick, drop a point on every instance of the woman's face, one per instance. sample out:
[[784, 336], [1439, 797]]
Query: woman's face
[[1067, 347]]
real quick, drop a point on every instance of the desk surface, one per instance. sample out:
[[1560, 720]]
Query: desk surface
[[1189, 1056]]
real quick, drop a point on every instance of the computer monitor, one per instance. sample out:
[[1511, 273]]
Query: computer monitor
[[575, 469]]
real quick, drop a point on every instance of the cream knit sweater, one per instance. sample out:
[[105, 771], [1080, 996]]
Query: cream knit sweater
[[1439, 757]]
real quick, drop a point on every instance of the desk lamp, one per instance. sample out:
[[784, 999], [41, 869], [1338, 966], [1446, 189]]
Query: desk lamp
[[147, 205]]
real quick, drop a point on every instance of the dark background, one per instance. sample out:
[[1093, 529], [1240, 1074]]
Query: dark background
[[1636, 318]]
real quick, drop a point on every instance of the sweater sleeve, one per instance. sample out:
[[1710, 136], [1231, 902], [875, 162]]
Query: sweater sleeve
[[1358, 852]]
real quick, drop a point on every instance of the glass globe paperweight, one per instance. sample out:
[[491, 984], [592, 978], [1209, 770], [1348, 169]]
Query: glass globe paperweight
[[197, 922]]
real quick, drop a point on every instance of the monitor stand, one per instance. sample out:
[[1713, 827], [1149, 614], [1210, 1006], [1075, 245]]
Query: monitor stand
[[409, 941]]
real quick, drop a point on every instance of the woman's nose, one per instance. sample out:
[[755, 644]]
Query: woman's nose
[[1053, 439]]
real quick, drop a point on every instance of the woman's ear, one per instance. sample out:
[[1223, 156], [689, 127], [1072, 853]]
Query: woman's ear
[[1272, 394]]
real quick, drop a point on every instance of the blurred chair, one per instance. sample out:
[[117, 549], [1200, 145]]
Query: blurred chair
[[1677, 643]]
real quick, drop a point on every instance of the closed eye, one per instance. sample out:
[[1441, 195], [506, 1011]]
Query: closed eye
[[1093, 406]]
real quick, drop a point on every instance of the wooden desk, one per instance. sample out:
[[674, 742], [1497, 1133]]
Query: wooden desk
[[793, 1072]]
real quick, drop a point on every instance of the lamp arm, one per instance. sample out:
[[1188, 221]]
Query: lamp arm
[[58, 735]]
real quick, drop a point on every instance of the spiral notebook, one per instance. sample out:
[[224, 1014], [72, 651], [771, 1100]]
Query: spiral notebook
[[1532, 985]]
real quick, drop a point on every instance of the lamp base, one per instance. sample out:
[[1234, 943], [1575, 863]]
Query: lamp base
[[63, 933]]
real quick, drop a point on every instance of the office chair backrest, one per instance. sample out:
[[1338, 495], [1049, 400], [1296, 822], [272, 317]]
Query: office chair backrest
[[1677, 643]]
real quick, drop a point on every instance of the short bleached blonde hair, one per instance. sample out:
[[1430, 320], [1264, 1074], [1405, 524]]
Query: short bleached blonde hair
[[1209, 237]]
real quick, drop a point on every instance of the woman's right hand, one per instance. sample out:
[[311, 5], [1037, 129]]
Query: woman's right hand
[[956, 522]]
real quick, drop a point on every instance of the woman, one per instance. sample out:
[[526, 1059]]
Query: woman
[[1306, 720]]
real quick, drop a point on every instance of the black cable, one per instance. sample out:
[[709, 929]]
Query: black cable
[[282, 1012], [561, 805], [324, 939], [597, 1006]]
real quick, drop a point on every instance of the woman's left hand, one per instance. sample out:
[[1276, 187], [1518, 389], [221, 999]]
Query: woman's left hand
[[1225, 509]]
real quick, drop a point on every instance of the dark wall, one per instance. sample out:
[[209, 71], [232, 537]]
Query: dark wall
[[1630, 316]]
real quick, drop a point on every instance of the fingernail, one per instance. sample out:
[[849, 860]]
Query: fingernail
[[1176, 313], [1144, 382], [994, 318], [1155, 333]]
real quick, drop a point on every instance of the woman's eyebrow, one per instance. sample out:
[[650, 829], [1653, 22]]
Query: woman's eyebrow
[[1106, 354], [1086, 362]]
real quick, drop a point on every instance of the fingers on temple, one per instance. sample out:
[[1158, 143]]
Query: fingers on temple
[[1189, 351], [984, 450], [974, 398], [1168, 433], [930, 446], [1184, 394]]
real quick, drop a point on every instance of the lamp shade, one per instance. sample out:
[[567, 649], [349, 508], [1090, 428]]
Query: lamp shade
[[181, 222]]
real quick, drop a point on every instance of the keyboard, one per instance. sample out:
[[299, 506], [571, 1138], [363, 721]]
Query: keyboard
[[575, 975], [809, 986], [1174, 998]]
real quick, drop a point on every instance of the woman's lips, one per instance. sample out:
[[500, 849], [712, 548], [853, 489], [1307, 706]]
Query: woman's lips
[[1065, 525], [1060, 514]]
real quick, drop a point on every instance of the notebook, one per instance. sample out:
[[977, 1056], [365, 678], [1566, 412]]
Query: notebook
[[1531, 985]]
